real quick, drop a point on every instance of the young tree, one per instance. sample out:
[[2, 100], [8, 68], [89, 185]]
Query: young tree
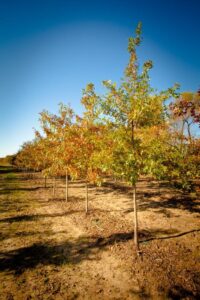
[[26, 157], [129, 108], [58, 131], [91, 141], [185, 120], [185, 111]]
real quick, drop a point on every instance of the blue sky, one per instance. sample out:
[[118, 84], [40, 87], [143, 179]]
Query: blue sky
[[50, 49]]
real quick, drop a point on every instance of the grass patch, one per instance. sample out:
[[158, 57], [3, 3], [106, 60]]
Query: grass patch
[[10, 176]]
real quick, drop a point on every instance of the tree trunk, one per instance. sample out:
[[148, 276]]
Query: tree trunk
[[135, 219], [86, 198], [133, 127], [45, 182], [182, 128], [54, 187], [189, 132], [66, 187]]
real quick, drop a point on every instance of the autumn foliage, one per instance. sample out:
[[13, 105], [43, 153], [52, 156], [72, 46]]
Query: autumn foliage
[[130, 131]]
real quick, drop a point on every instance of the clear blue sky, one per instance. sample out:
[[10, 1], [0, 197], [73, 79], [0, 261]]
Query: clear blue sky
[[50, 49]]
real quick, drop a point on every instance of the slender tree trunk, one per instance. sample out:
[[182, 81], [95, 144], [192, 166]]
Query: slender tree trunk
[[86, 197], [134, 194], [54, 187], [132, 132], [189, 132], [135, 219], [45, 182], [182, 128], [66, 187]]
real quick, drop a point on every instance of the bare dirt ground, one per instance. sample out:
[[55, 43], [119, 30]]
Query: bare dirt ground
[[50, 249]]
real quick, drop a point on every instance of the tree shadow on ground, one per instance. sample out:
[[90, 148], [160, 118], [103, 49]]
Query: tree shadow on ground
[[161, 202], [12, 234], [180, 292], [67, 252], [24, 218], [174, 202], [147, 201], [16, 189], [71, 199], [17, 204], [116, 187], [127, 191], [98, 210], [8, 169], [6, 235]]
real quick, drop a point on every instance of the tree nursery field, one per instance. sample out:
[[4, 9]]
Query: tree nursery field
[[51, 249], [105, 204]]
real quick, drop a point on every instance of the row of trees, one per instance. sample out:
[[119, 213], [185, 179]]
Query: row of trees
[[131, 130]]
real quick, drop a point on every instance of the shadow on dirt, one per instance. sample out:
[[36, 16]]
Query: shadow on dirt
[[123, 188], [4, 236], [71, 199], [180, 292], [8, 169], [161, 202], [180, 202], [68, 252], [115, 187], [29, 218], [22, 234], [7, 191], [148, 201]]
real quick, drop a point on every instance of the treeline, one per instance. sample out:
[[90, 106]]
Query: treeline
[[8, 160]]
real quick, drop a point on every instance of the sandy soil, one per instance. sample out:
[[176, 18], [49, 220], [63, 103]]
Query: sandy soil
[[50, 249]]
